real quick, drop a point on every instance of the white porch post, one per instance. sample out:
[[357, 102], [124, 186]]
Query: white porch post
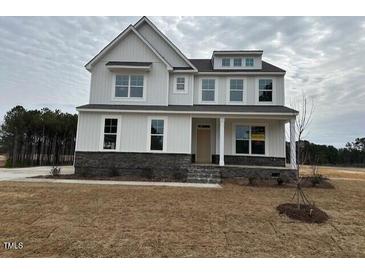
[[293, 151], [221, 141]]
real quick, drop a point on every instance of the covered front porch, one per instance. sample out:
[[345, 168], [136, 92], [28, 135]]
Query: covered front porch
[[252, 141]]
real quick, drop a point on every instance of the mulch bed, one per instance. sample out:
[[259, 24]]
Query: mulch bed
[[305, 183], [103, 178], [306, 213]]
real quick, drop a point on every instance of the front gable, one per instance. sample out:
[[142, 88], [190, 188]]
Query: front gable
[[162, 44], [120, 42]]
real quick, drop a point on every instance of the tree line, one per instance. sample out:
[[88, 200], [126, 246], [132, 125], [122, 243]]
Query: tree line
[[38, 137], [353, 154]]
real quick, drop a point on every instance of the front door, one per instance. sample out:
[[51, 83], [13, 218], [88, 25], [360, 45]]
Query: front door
[[203, 154]]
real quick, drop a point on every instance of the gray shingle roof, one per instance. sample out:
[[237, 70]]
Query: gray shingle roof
[[194, 108], [205, 65]]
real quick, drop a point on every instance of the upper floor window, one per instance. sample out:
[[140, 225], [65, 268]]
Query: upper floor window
[[110, 133], [157, 134], [249, 62], [180, 84], [208, 90], [237, 62], [265, 90], [226, 62], [236, 90], [129, 86]]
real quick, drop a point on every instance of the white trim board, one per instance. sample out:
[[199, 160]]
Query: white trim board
[[199, 113], [120, 37]]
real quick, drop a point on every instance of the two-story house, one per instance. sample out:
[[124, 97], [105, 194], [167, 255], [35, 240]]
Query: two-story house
[[154, 112]]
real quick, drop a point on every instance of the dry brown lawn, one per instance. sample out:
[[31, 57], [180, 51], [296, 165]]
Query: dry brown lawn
[[118, 221]]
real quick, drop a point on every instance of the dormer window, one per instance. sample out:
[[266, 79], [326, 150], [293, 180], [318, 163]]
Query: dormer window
[[237, 62], [249, 62], [226, 62]]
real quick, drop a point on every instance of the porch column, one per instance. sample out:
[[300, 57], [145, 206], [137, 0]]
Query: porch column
[[221, 141], [293, 150]]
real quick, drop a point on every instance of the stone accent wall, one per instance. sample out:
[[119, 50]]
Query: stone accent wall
[[160, 166], [288, 175], [167, 166], [250, 160]]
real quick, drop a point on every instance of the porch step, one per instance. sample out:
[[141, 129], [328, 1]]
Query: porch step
[[203, 175]]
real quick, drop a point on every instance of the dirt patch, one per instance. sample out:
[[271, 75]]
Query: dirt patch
[[306, 213], [73, 220]]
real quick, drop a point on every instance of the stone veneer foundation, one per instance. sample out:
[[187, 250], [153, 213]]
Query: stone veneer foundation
[[174, 167]]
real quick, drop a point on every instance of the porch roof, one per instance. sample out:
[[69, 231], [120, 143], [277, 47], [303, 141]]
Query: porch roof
[[196, 109]]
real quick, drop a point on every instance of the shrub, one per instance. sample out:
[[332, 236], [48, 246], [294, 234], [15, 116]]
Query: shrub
[[317, 179], [55, 171], [147, 173], [84, 172], [114, 172], [251, 180], [179, 176], [280, 181]]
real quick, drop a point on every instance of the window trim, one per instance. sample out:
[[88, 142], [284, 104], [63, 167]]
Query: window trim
[[250, 125], [119, 124], [139, 99], [237, 58], [257, 91], [253, 62], [201, 90], [175, 90], [225, 58], [165, 133], [228, 93]]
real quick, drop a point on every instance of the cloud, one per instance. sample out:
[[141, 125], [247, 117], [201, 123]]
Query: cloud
[[42, 59]]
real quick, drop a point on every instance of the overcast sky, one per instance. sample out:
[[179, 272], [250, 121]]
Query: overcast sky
[[42, 60]]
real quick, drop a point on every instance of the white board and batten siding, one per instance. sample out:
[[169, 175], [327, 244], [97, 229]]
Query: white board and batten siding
[[131, 49], [181, 98], [161, 46], [134, 132]]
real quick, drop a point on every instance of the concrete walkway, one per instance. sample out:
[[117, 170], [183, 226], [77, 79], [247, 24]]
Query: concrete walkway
[[109, 182], [9, 174]]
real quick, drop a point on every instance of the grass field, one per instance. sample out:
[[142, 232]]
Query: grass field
[[236, 221]]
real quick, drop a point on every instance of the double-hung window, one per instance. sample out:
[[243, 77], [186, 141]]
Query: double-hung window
[[242, 139], [129, 86], [250, 140], [236, 90], [265, 90], [237, 62], [110, 134], [157, 134], [249, 62], [226, 62], [208, 90], [180, 84]]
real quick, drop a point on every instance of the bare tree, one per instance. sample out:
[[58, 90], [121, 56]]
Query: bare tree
[[302, 123]]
